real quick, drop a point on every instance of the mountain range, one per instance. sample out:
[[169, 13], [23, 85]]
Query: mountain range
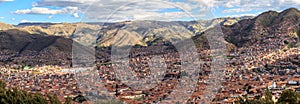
[[51, 43], [122, 33], [247, 32]]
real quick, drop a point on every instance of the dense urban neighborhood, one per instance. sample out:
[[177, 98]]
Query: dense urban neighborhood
[[255, 60]]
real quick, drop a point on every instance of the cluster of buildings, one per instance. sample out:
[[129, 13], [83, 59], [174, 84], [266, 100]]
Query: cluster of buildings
[[270, 63], [45, 80], [44, 57]]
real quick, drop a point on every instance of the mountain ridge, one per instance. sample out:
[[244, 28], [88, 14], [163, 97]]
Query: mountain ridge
[[270, 22], [18, 45], [139, 32]]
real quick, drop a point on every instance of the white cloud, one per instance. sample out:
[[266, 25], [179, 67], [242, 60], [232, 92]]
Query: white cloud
[[236, 10], [51, 16], [76, 15], [241, 15], [42, 10], [146, 10], [289, 2], [119, 10], [13, 19], [25, 21], [29, 21], [244, 6], [231, 3], [2, 17], [6, 1]]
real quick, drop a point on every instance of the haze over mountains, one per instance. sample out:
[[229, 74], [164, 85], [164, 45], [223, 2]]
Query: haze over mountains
[[38, 41]]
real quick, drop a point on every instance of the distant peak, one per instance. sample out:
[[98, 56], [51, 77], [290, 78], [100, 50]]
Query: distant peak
[[4, 26], [270, 12], [290, 11], [267, 15]]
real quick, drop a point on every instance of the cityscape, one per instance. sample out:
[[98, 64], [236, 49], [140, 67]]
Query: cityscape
[[227, 59]]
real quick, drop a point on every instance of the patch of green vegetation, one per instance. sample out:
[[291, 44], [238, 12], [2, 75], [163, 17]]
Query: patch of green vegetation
[[16, 96], [229, 57], [79, 99], [287, 97]]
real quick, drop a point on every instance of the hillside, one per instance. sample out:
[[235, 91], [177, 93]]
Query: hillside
[[4, 26], [19, 47], [37, 40], [142, 33], [249, 31], [147, 33]]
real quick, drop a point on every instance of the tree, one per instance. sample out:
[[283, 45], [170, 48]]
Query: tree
[[16, 96], [290, 97], [268, 98], [68, 100], [39, 99], [2, 85], [79, 99], [53, 99]]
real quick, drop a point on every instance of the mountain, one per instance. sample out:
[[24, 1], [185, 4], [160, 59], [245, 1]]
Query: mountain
[[55, 29], [145, 33], [19, 47], [4, 26], [255, 31], [51, 43], [141, 33], [249, 31]]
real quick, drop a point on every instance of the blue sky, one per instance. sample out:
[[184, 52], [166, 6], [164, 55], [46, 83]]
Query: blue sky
[[7, 14], [16, 11]]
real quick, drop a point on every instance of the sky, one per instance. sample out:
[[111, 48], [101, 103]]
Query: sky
[[57, 11]]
